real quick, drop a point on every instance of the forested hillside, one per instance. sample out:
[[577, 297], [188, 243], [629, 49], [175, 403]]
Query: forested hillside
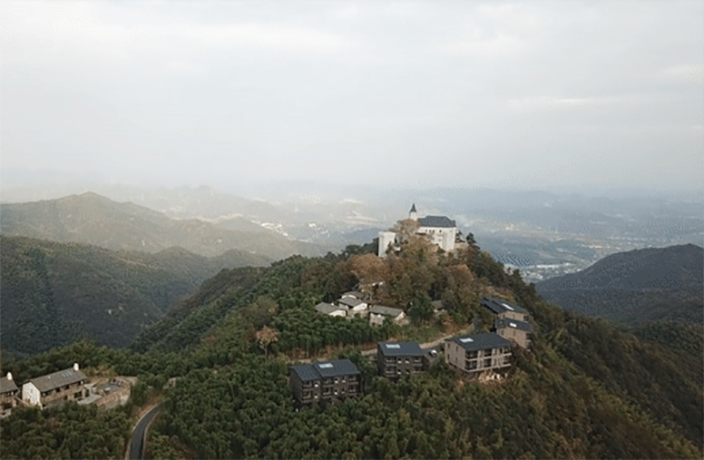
[[53, 293], [654, 284], [585, 390], [92, 219]]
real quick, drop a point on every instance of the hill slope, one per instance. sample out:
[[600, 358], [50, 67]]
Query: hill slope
[[92, 219], [54, 293], [638, 286]]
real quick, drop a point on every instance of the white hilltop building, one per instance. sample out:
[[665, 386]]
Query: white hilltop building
[[441, 230]]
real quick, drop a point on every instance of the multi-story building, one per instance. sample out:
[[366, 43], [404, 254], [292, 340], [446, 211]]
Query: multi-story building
[[56, 389], [504, 309], [8, 395], [325, 382], [516, 331], [478, 353], [394, 360]]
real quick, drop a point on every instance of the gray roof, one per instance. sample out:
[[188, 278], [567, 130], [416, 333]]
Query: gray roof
[[7, 385], [400, 349], [436, 221], [325, 369], [350, 302], [513, 324], [481, 341], [499, 306], [327, 308], [386, 311], [356, 294], [58, 379]]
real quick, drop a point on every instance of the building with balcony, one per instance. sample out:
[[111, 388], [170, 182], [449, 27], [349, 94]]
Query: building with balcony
[[478, 353], [395, 360], [518, 332], [325, 382]]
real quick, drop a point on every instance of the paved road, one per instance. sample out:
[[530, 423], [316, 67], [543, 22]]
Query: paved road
[[139, 434]]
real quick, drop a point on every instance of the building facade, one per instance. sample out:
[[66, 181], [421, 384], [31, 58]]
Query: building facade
[[440, 230], [8, 395], [504, 309], [56, 389], [395, 360], [517, 332], [478, 353], [325, 382]]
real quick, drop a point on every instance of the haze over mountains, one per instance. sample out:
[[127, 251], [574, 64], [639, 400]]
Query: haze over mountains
[[654, 284]]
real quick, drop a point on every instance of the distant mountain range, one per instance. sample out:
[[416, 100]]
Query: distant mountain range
[[93, 219], [54, 293], [654, 284]]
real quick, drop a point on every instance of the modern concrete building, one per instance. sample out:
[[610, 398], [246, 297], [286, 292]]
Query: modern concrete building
[[504, 309], [478, 353], [518, 332], [325, 382], [397, 359], [56, 389]]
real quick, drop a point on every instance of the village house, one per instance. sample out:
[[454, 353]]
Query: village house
[[378, 313], [325, 382], [504, 309], [8, 395], [394, 360], [355, 306], [332, 310], [56, 389], [479, 353], [516, 331], [440, 230]]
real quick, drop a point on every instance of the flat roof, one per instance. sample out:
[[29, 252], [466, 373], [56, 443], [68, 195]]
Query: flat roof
[[499, 306], [325, 369], [481, 341], [400, 349]]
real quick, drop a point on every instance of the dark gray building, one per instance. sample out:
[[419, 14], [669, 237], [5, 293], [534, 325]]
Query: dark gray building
[[478, 353], [325, 382], [504, 309], [394, 360]]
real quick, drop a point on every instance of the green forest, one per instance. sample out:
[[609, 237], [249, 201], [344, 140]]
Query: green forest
[[586, 389]]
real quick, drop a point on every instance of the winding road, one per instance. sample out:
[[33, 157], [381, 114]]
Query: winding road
[[139, 434]]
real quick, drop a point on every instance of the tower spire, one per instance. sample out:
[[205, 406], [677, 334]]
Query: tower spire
[[413, 214]]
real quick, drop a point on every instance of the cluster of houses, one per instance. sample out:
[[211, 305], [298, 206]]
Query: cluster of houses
[[59, 388], [476, 355], [354, 303]]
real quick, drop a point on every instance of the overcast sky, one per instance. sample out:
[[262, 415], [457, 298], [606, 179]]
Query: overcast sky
[[520, 95]]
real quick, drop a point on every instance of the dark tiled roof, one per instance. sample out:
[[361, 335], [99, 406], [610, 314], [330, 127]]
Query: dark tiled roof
[[326, 308], [513, 324], [481, 341], [58, 379], [7, 385], [349, 302], [436, 221], [325, 369], [386, 311], [400, 349], [499, 306]]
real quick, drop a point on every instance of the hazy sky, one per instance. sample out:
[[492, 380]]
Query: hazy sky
[[528, 95]]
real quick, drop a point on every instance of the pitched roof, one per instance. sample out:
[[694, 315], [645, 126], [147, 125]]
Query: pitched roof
[[513, 324], [58, 379], [499, 306], [436, 221], [400, 349], [325, 369], [327, 308], [350, 302], [481, 341], [355, 294], [386, 311], [7, 385]]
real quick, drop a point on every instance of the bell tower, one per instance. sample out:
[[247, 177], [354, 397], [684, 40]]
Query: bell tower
[[413, 214]]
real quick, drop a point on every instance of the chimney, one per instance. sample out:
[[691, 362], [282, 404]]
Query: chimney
[[9, 376], [75, 366]]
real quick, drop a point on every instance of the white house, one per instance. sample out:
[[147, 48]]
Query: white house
[[441, 231], [332, 310], [355, 306]]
